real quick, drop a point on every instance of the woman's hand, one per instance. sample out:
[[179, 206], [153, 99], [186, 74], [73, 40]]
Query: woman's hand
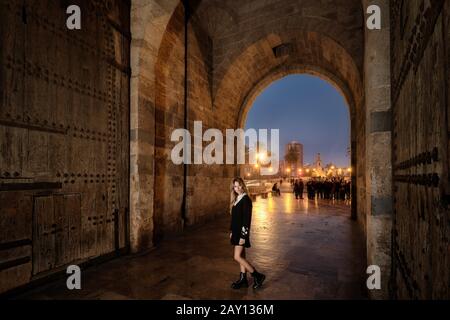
[[241, 241]]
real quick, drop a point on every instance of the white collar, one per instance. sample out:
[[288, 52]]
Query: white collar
[[239, 197]]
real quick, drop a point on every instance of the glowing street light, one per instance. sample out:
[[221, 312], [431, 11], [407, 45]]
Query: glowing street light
[[261, 156]]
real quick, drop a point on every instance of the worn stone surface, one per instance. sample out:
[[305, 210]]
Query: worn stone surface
[[378, 154], [307, 249]]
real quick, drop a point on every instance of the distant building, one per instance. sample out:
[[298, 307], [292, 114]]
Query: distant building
[[294, 149], [297, 148], [318, 166], [318, 169], [318, 161]]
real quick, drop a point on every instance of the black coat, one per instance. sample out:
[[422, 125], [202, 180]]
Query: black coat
[[241, 219]]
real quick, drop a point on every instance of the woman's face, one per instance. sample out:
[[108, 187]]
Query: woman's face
[[238, 188]]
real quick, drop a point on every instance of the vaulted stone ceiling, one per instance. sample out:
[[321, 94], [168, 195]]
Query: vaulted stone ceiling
[[251, 40]]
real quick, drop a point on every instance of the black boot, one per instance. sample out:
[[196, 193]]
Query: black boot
[[242, 282], [258, 279]]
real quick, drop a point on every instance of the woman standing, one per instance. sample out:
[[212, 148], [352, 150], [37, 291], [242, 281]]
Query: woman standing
[[241, 216]]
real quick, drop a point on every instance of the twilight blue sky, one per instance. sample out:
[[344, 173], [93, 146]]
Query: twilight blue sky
[[307, 109]]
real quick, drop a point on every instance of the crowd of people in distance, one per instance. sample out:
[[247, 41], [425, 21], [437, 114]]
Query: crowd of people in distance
[[335, 188]]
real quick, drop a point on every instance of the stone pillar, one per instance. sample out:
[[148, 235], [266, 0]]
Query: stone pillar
[[149, 19], [378, 147]]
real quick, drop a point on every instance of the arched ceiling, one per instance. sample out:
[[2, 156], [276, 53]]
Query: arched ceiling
[[254, 40]]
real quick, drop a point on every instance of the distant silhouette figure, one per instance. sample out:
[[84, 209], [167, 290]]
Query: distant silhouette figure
[[276, 189]]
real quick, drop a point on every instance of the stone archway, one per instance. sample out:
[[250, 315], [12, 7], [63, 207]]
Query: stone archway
[[323, 57], [284, 71], [226, 60], [206, 60], [342, 88], [314, 42]]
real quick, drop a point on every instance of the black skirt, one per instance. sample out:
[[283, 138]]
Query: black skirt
[[241, 219]]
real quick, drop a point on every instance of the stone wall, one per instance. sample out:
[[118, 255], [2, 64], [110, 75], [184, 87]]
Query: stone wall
[[207, 186], [378, 169], [169, 114], [149, 20]]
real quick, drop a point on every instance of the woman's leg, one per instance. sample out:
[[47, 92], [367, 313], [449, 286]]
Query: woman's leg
[[242, 261], [241, 265]]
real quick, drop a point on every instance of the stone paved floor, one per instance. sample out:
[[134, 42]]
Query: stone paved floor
[[307, 249]]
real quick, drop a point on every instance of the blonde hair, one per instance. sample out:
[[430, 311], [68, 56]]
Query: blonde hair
[[233, 194]]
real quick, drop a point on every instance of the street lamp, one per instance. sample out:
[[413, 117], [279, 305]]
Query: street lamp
[[261, 157]]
